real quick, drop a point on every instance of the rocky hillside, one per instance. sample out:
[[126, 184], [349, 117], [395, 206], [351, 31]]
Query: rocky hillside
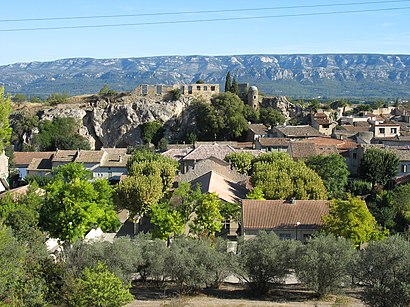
[[335, 75]]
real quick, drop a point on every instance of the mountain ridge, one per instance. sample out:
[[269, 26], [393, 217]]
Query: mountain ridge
[[295, 75]]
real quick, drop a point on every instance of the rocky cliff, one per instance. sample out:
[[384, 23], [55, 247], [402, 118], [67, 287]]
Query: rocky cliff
[[117, 123], [337, 75]]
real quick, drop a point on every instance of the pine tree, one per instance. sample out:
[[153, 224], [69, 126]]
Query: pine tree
[[228, 82], [234, 87]]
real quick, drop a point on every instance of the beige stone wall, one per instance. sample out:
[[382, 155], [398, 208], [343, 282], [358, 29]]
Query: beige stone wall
[[4, 165], [205, 90]]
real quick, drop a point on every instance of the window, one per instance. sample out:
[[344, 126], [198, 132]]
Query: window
[[144, 89], [393, 130], [404, 168], [198, 87], [212, 87], [189, 89], [285, 236], [355, 155], [205, 88], [182, 89], [159, 89], [381, 130]]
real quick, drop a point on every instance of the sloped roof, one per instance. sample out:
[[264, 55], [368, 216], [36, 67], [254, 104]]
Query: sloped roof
[[258, 129], [402, 152], [205, 151], [89, 156], [227, 190], [24, 158], [297, 131], [266, 142], [271, 214], [176, 153], [40, 164], [300, 149], [340, 144], [64, 156]]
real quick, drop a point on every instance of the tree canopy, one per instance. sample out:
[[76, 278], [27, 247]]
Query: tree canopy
[[352, 220], [378, 165], [223, 118], [61, 133], [73, 205], [333, 171], [241, 161], [280, 177], [271, 117]]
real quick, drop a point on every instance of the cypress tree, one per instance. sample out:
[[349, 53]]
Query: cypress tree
[[234, 87], [228, 82]]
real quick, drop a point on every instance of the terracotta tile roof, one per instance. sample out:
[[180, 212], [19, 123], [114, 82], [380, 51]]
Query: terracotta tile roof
[[270, 142], [24, 158], [227, 190], [281, 214], [259, 129], [300, 149], [205, 151], [297, 131], [340, 144], [64, 156], [89, 156]]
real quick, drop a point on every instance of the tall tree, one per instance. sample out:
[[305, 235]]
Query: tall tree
[[271, 117], [352, 220], [234, 87], [333, 171], [228, 82], [379, 165], [5, 110], [241, 161]]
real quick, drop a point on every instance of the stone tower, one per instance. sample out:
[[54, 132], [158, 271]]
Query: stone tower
[[253, 97]]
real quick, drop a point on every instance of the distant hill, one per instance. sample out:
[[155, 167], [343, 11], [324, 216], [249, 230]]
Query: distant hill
[[298, 75]]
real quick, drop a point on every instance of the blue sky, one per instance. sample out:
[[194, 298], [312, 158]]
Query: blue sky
[[365, 32]]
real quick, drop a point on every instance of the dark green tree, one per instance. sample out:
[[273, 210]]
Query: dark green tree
[[61, 133], [228, 82], [106, 91], [223, 118], [19, 98], [333, 171], [271, 117], [57, 98], [378, 165], [234, 87], [152, 132]]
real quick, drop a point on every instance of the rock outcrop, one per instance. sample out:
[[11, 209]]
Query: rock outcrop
[[117, 123]]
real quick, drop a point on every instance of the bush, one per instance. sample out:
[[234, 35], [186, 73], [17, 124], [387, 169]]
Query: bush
[[57, 98], [263, 260], [359, 187], [323, 263], [385, 271]]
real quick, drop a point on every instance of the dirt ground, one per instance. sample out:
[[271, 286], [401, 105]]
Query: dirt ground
[[238, 296]]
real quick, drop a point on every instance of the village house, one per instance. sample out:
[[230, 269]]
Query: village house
[[257, 131], [323, 123], [108, 163], [289, 220], [272, 144]]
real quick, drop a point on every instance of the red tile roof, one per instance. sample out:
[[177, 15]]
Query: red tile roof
[[282, 214]]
